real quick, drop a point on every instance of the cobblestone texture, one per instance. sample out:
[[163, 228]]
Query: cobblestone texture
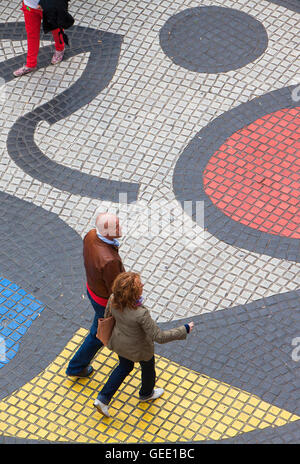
[[119, 115]]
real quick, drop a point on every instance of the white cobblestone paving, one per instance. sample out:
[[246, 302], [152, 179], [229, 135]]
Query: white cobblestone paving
[[136, 129]]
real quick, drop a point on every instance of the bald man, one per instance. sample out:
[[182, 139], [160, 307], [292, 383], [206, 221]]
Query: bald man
[[102, 265]]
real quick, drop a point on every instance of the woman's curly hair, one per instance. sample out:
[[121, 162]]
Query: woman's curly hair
[[126, 290]]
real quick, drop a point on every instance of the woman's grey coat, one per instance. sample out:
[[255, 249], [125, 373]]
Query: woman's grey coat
[[135, 332]]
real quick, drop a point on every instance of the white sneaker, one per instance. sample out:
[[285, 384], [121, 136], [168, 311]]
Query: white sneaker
[[157, 392], [103, 408]]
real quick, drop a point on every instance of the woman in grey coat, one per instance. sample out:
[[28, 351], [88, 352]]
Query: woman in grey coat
[[133, 339]]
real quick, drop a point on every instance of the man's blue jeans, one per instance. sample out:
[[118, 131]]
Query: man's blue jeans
[[90, 346], [118, 375]]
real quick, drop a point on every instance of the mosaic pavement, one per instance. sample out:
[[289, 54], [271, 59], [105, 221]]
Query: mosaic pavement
[[180, 111]]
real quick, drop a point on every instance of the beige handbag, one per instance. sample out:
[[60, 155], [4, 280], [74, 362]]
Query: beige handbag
[[105, 325]]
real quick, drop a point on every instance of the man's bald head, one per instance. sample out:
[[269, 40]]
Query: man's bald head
[[107, 224]]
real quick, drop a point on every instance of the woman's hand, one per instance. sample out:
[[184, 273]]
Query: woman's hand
[[191, 326]]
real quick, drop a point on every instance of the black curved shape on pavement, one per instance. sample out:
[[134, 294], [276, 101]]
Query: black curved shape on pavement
[[293, 5], [43, 255], [188, 176], [247, 346], [104, 49], [213, 39]]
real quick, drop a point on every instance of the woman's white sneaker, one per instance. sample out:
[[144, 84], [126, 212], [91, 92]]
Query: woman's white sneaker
[[157, 392], [103, 408]]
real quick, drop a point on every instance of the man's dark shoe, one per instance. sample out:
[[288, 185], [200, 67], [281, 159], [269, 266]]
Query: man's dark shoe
[[86, 371]]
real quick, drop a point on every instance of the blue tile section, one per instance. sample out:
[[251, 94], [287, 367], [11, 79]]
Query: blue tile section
[[18, 310]]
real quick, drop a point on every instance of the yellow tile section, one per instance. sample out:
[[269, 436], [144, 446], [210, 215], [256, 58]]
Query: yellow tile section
[[194, 407]]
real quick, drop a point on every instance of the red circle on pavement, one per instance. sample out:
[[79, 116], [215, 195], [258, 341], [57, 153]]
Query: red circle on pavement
[[254, 176]]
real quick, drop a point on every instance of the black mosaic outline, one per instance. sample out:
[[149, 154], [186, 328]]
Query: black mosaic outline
[[43, 235], [43, 255], [286, 434], [289, 4], [188, 180], [247, 346], [104, 49], [206, 64]]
